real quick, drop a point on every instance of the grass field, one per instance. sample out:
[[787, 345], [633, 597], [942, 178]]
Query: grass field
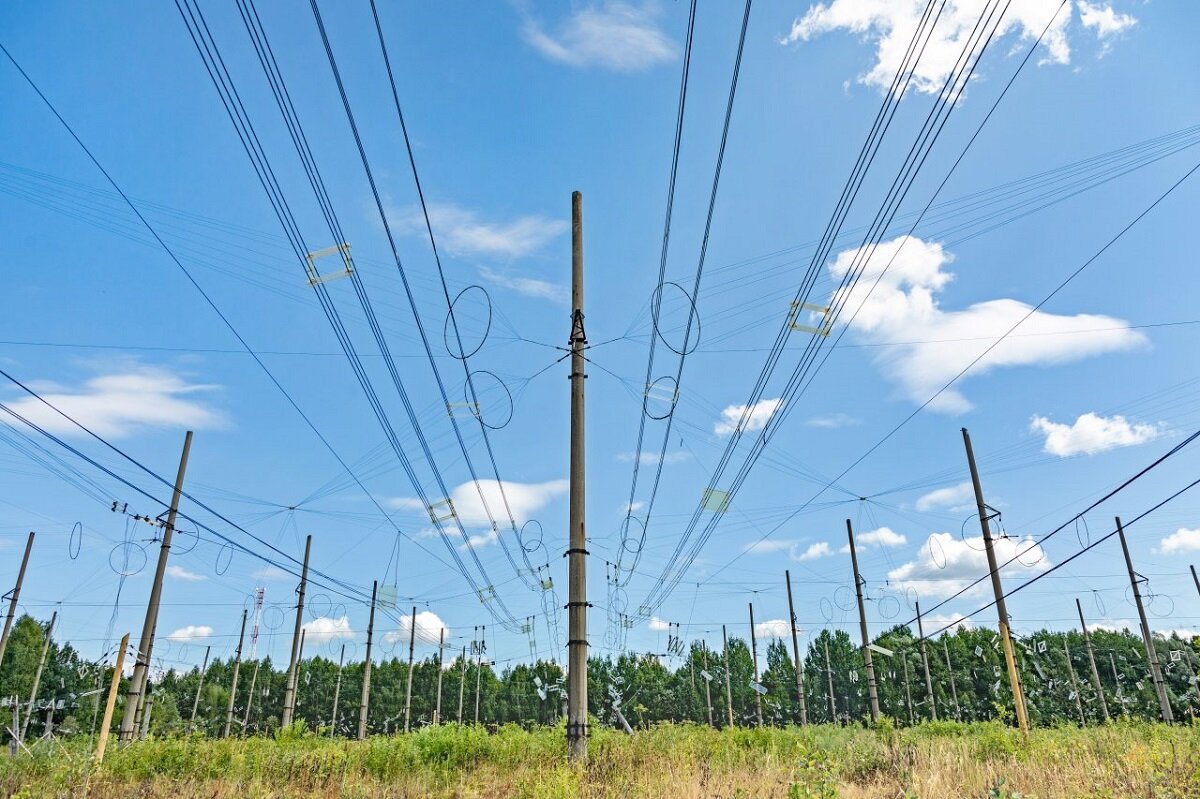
[[932, 760]]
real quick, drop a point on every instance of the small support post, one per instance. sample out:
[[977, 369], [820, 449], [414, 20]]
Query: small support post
[[250, 695], [1151, 653], [925, 664], [289, 691], [113, 689], [233, 683], [37, 677], [872, 687], [16, 595], [1074, 682], [829, 676], [953, 685], [754, 657], [365, 700], [796, 651], [199, 688], [479, 669], [412, 645], [907, 688], [337, 693], [437, 708], [728, 684], [1087, 640], [707, 686], [462, 683]]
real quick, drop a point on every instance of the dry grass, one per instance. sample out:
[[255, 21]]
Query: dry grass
[[943, 760]]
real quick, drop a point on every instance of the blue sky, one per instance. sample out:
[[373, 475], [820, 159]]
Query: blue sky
[[511, 107]]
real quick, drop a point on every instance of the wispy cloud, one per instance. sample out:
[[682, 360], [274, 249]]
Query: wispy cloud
[[951, 497], [617, 36], [528, 286], [833, 420], [1091, 434], [180, 573], [768, 546], [272, 573], [121, 403], [464, 232], [651, 458], [773, 628], [523, 501]]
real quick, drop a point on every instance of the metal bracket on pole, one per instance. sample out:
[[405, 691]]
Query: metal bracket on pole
[[310, 264]]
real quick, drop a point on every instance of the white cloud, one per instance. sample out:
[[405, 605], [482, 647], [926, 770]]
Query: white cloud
[[272, 573], [480, 540], [821, 549], [890, 25], [325, 629], [658, 624], [462, 232], [121, 403], [651, 458], [429, 624], [773, 628], [833, 420], [632, 507], [767, 546], [756, 419], [881, 537], [947, 564], [1114, 625], [1091, 434], [180, 573], [1182, 540], [952, 497], [904, 307], [192, 632], [528, 286], [951, 623], [613, 35], [524, 500], [1186, 633], [1105, 22]]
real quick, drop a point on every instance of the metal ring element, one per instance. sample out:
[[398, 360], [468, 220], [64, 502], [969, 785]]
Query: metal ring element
[[456, 352], [656, 301]]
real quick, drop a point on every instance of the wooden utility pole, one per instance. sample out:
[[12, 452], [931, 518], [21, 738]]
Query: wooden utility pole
[[479, 668], [365, 700], [1074, 683], [829, 677], [337, 694], [37, 676], [577, 644], [289, 688], [708, 685], [199, 688], [1087, 640], [299, 668], [148, 702], [953, 686], [412, 646], [872, 687], [907, 689], [1010, 658], [141, 666], [787, 576], [250, 695], [462, 683], [113, 689], [728, 683], [233, 683], [1151, 653], [1112, 663], [437, 708], [925, 664], [1195, 580], [16, 595], [754, 657]]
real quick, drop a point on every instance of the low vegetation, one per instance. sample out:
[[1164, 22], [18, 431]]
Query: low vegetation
[[947, 759]]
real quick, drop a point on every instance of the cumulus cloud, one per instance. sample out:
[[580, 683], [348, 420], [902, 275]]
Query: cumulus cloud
[[951, 623], [1091, 434], [880, 537], [429, 625], [180, 573], [903, 307], [756, 417], [658, 624], [463, 232], [1182, 540], [617, 36], [122, 403], [524, 500], [952, 497], [889, 25], [767, 546], [773, 628], [324, 629], [192, 632], [272, 573], [947, 564], [821, 549]]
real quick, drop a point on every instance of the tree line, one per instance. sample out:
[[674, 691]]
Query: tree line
[[966, 672]]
